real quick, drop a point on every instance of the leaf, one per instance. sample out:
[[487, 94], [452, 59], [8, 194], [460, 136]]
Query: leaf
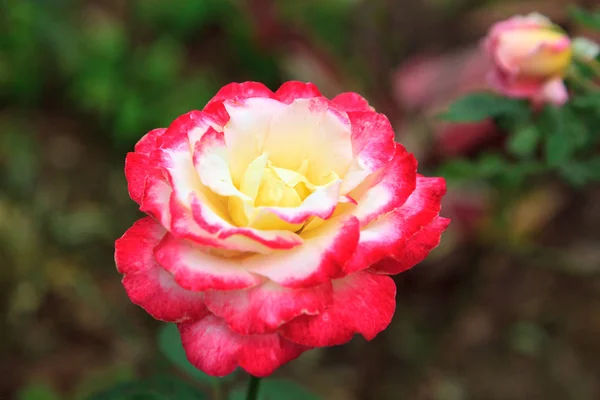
[[585, 18], [523, 142], [169, 343], [561, 132], [276, 389], [480, 106], [158, 388]]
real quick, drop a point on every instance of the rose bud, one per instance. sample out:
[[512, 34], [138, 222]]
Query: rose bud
[[530, 58]]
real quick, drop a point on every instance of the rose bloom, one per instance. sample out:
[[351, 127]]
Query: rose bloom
[[530, 57], [274, 222]]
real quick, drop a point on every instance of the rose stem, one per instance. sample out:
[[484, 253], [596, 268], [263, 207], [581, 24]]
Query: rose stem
[[253, 386]]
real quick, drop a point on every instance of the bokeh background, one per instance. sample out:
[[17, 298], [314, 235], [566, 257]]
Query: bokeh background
[[508, 307]]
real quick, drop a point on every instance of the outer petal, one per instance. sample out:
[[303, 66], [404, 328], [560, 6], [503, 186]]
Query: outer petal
[[385, 237], [351, 101], [148, 142], [373, 146], [362, 303], [263, 309], [155, 201], [146, 283], [292, 90], [415, 250], [136, 170], [213, 348], [393, 185], [234, 91], [197, 268], [138, 166], [555, 92]]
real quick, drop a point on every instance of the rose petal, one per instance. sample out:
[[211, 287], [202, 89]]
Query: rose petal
[[386, 236], [146, 283], [309, 129], [138, 166], [292, 90], [212, 165], [363, 303], [264, 240], [148, 142], [264, 308], [373, 146], [198, 268], [155, 201], [351, 101], [554, 92], [320, 203], [234, 91], [213, 348], [136, 170], [246, 131], [392, 187], [415, 250]]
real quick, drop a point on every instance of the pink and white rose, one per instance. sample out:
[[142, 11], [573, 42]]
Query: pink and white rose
[[274, 222]]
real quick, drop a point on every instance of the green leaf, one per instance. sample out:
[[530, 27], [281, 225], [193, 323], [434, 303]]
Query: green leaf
[[158, 388], [523, 142], [276, 389], [564, 133], [169, 343], [480, 106], [585, 18]]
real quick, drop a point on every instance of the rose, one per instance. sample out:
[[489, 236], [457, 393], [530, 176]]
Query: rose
[[274, 222], [530, 57]]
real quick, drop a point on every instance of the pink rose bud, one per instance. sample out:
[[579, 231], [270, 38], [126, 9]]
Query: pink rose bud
[[530, 57]]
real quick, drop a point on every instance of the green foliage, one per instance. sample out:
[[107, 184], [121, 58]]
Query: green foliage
[[21, 51], [524, 141], [158, 388], [188, 16], [276, 389], [169, 343], [328, 21], [479, 106], [586, 18], [37, 392]]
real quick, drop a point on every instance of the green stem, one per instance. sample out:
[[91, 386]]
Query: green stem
[[217, 393], [253, 386]]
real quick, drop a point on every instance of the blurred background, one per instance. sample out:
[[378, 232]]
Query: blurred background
[[508, 307]]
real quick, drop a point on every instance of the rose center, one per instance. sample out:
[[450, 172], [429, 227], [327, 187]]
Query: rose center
[[267, 185]]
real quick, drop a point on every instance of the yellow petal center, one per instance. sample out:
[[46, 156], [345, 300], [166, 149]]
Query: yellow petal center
[[270, 186]]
